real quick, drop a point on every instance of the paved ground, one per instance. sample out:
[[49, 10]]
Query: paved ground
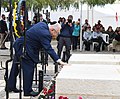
[[50, 71], [4, 55]]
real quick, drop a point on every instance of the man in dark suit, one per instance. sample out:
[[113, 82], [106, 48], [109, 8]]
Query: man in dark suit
[[3, 31], [38, 36]]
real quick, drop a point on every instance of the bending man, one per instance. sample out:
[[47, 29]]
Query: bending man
[[38, 36]]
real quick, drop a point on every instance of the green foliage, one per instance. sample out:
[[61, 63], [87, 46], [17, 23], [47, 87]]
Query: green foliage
[[99, 2], [62, 3], [54, 4], [4, 3]]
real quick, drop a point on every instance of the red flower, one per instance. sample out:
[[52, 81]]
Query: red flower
[[50, 91], [45, 91], [61, 97], [80, 97], [65, 98]]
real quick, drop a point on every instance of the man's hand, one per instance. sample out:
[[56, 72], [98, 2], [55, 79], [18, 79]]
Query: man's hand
[[70, 24], [61, 62]]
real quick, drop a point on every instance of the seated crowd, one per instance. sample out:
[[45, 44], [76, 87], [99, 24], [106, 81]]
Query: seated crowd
[[98, 37]]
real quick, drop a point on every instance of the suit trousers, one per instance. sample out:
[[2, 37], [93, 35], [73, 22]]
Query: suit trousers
[[28, 71]]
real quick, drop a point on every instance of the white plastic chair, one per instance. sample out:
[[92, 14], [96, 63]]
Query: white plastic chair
[[105, 38]]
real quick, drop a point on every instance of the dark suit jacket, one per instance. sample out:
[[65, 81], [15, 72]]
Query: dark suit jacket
[[37, 37]]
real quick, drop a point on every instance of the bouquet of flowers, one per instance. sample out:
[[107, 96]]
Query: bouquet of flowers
[[48, 92]]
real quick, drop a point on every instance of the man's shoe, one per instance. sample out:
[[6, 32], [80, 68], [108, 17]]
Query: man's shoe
[[33, 93], [16, 90], [13, 90]]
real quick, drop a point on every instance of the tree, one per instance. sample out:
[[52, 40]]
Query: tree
[[55, 4], [3, 4], [98, 2]]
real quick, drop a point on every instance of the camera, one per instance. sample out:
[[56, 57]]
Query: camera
[[69, 20]]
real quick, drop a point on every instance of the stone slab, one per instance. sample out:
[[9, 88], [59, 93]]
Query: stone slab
[[16, 96], [109, 59], [85, 80]]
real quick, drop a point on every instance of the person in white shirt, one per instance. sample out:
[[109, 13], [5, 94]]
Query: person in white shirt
[[87, 38], [97, 37]]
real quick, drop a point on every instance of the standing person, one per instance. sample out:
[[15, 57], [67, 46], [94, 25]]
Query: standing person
[[41, 19], [3, 31], [75, 35], [35, 19], [37, 37], [65, 37], [61, 20]]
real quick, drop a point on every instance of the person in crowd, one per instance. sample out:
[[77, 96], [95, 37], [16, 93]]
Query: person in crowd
[[65, 37], [3, 32], [75, 35], [102, 29], [35, 19], [87, 38], [79, 36], [79, 19], [105, 43], [86, 24], [37, 37], [28, 23], [41, 19], [97, 37], [99, 24], [116, 40], [111, 34], [61, 20]]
